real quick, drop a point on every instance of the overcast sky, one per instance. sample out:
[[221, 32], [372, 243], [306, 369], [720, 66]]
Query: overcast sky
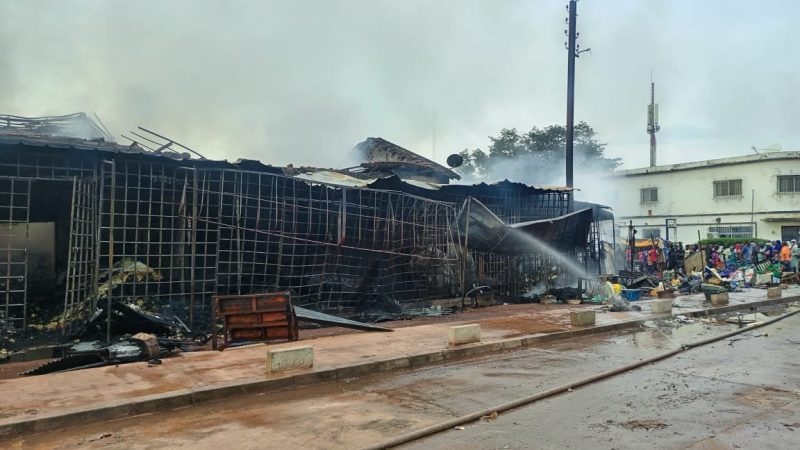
[[303, 81]]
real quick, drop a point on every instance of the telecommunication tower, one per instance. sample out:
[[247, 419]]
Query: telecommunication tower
[[652, 123]]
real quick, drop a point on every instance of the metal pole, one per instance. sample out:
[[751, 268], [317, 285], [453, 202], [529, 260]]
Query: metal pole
[[597, 247], [68, 298], [652, 122], [573, 5], [194, 250], [466, 254], [110, 249], [632, 243], [753, 211]]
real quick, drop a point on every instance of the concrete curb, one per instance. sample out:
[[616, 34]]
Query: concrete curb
[[187, 397]]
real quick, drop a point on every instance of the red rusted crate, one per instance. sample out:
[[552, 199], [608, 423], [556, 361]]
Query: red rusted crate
[[254, 317]]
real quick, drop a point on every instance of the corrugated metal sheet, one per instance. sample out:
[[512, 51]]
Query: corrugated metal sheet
[[308, 315], [379, 150], [337, 178], [487, 232]]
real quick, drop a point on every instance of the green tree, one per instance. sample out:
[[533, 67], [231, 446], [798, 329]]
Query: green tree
[[543, 147]]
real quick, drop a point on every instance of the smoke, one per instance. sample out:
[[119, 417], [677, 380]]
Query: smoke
[[591, 177], [302, 82], [534, 170]]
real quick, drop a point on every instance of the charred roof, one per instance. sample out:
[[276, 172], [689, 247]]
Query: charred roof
[[70, 126], [378, 154]]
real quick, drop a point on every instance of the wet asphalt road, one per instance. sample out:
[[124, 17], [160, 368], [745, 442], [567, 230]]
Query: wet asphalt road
[[718, 396], [721, 396]]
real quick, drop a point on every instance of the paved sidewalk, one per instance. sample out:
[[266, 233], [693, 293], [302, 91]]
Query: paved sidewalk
[[35, 403]]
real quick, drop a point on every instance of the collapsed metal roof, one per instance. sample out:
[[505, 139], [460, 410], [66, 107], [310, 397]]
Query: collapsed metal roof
[[80, 131], [487, 232], [78, 126], [379, 154]]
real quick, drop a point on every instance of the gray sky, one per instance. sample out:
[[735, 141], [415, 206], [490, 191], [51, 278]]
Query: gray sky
[[303, 81]]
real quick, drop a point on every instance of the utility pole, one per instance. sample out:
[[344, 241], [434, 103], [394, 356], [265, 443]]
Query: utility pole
[[652, 122], [574, 51]]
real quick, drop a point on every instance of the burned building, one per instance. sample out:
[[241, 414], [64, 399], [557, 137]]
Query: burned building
[[87, 222]]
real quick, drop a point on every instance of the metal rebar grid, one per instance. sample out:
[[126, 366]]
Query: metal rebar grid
[[515, 205], [169, 234], [333, 246], [143, 235], [80, 281], [45, 165], [14, 219], [514, 276], [176, 236]]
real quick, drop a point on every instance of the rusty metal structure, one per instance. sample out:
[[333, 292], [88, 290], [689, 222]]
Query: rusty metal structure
[[255, 317], [155, 223]]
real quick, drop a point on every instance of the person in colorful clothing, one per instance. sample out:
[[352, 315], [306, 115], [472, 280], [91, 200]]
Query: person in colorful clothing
[[786, 256], [652, 259], [747, 254], [795, 262]]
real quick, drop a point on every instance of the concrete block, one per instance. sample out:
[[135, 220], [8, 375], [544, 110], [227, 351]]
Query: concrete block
[[661, 306], [290, 358], [774, 292], [763, 278], [719, 299], [583, 318], [464, 334]]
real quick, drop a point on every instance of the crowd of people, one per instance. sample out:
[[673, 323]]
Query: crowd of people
[[649, 260], [652, 259], [786, 253]]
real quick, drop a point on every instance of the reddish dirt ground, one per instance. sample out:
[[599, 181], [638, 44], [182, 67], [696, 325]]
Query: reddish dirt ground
[[506, 312], [516, 319]]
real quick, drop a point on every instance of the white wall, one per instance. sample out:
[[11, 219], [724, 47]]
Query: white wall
[[688, 197]]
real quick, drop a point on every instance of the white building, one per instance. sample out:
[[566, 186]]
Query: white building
[[745, 196]]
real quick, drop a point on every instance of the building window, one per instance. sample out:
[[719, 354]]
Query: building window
[[731, 231], [788, 184], [728, 188], [649, 195], [651, 233]]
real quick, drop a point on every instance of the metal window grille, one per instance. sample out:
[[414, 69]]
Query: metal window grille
[[728, 188], [788, 184], [649, 195], [651, 233], [732, 231]]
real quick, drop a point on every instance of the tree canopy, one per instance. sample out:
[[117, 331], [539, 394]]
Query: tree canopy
[[537, 155]]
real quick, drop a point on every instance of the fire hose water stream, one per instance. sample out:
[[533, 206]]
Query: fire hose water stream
[[472, 417], [538, 245]]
